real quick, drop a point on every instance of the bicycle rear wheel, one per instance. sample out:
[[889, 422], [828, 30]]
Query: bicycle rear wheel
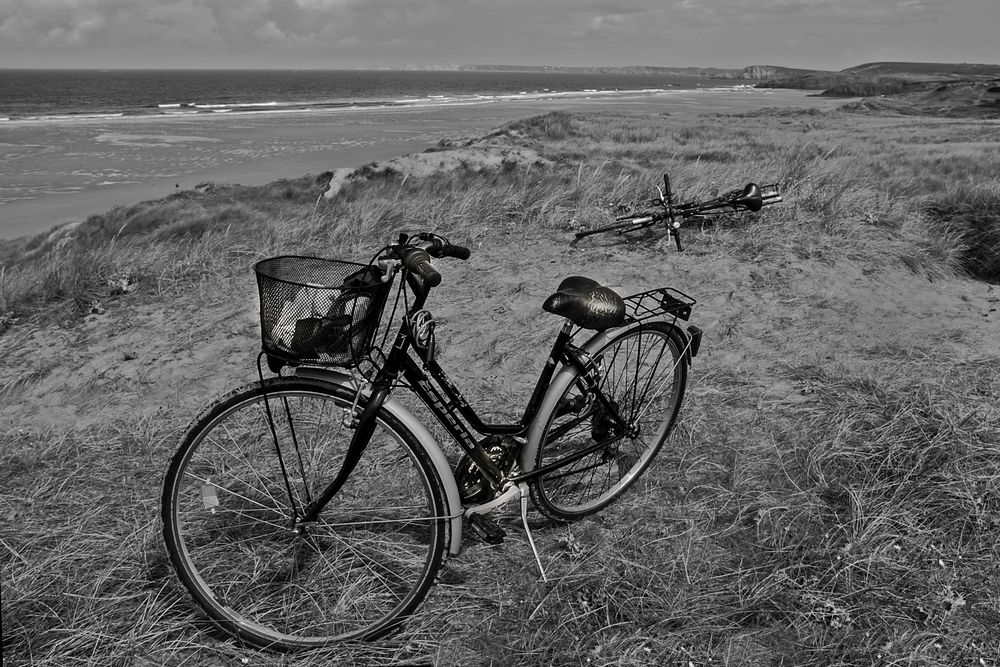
[[235, 487], [642, 374]]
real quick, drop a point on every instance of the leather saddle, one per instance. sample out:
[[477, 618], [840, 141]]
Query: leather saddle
[[587, 304]]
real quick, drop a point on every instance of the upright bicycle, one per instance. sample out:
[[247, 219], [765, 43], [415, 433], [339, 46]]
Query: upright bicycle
[[662, 209], [312, 507]]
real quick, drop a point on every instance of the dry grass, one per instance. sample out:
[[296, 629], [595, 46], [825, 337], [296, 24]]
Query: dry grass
[[851, 520], [970, 215]]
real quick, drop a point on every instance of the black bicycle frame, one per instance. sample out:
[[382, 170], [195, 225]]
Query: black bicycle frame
[[436, 390]]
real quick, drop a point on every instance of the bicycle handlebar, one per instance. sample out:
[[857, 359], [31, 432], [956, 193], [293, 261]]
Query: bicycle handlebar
[[416, 252], [456, 251], [418, 261]]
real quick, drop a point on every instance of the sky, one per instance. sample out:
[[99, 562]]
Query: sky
[[349, 34]]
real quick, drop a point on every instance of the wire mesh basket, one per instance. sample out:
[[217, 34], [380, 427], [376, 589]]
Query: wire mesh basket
[[318, 311]]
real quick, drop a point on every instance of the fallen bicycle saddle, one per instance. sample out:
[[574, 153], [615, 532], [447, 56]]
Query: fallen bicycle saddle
[[587, 303]]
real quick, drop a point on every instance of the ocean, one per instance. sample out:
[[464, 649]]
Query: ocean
[[41, 95], [78, 142]]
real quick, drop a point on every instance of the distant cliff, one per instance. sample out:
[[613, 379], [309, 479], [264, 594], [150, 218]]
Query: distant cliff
[[883, 78], [768, 72], [935, 89]]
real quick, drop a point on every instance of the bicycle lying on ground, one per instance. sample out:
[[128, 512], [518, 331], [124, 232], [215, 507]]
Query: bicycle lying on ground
[[752, 197], [313, 507]]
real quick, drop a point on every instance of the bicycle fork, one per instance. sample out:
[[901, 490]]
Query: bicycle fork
[[364, 428]]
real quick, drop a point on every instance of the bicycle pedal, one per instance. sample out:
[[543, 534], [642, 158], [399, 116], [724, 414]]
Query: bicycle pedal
[[486, 529]]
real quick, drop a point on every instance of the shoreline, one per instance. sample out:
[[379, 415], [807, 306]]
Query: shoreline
[[196, 110], [63, 172]]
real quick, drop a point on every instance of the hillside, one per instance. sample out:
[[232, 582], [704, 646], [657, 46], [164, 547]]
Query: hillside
[[907, 88], [935, 71], [894, 76]]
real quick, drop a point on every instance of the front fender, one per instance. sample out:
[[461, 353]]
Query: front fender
[[423, 436]]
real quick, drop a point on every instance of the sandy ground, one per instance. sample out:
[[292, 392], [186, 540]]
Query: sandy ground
[[58, 172], [759, 320]]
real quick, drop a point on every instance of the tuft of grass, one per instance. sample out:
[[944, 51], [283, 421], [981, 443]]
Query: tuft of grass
[[969, 215], [860, 524], [554, 126], [147, 248]]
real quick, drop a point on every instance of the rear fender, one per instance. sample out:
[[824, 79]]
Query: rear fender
[[438, 460], [565, 375]]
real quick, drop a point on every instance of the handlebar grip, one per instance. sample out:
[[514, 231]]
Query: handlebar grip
[[456, 251], [770, 194], [419, 262]]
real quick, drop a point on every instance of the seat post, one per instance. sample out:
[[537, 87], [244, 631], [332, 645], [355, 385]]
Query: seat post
[[557, 355]]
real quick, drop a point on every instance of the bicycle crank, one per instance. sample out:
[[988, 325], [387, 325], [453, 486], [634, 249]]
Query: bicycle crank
[[472, 486]]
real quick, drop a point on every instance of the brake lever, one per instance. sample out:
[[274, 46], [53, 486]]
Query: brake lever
[[436, 239]]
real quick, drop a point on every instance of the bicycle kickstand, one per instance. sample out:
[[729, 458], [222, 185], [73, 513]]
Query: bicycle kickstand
[[510, 492], [527, 530]]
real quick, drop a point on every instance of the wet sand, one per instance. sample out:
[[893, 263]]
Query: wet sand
[[57, 172]]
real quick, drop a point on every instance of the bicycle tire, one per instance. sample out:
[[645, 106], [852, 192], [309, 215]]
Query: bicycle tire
[[227, 507], [641, 370]]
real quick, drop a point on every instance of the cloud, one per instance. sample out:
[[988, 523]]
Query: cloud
[[753, 12], [324, 5], [79, 21], [71, 24], [354, 33]]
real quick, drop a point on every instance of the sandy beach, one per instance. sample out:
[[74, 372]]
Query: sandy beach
[[63, 171]]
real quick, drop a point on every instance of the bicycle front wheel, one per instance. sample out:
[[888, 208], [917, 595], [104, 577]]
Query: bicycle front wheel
[[244, 472], [599, 448]]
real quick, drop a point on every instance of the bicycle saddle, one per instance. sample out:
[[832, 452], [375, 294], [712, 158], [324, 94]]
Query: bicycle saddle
[[750, 198], [587, 304]]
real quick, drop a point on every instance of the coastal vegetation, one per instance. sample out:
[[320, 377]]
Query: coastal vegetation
[[832, 495]]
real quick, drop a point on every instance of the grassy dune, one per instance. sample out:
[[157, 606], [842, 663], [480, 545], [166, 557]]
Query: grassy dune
[[831, 496]]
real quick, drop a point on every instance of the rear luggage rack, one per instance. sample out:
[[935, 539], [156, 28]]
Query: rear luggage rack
[[657, 303]]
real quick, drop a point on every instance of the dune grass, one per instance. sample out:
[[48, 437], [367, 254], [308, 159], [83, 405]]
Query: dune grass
[[971, 216], [849, 516]]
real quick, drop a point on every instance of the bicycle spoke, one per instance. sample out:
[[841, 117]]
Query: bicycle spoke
[[640, 378], [207, 481], [367, 560]]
